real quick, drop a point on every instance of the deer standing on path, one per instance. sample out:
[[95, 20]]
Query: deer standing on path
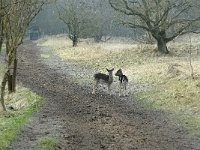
[[103, 78], [123, 81]]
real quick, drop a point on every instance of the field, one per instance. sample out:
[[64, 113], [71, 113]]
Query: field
[[173, 89]]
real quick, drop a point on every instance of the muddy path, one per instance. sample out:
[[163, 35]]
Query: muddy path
[[82, 121]]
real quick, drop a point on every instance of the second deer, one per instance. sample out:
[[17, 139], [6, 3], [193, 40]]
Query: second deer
[[103, 78], [123, 81]]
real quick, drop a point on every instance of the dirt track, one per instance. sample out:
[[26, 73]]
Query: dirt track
[[82, 121]]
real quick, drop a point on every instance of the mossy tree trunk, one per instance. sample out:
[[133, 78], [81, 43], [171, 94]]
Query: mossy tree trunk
[[14, 75], [3, 87], [9, 79]]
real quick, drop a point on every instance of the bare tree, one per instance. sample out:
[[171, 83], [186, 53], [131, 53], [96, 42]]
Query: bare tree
[[48, 21], [103, 20], [76, 15], [163, 19], [15, 23]]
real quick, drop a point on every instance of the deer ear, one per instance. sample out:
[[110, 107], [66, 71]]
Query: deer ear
[[112, 69]]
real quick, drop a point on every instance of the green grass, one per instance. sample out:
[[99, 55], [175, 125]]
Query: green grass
[[10, 124], [12, 121], [47, 143], [177, 94]]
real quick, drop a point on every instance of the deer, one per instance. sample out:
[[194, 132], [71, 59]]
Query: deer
[[123, 81], [101, 78]]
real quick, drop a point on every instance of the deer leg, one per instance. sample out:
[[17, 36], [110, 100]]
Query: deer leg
[[120, 89], [109, 89], [125, 89], [94, 87]]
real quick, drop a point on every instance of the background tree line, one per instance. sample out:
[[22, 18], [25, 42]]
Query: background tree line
[[161, 20], [81, 19]]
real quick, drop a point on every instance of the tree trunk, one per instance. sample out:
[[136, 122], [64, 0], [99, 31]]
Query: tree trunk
[[3, 87], [1, 33], [1, 42], [14, 76], [162, 46], [75, 41], [10, 83], [98, 37], [12, 71]]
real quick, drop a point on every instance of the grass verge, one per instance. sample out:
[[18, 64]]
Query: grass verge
[[47, 143], [11, 124], [25, 103]]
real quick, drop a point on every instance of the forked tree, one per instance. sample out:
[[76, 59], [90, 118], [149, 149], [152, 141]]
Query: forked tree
[[16, 23], [78, 17], [163, 19]]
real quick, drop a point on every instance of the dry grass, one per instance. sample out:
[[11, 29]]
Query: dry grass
[[174, 90], [20, 100]]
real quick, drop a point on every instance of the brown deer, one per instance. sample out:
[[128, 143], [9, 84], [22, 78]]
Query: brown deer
[[103, 79]]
